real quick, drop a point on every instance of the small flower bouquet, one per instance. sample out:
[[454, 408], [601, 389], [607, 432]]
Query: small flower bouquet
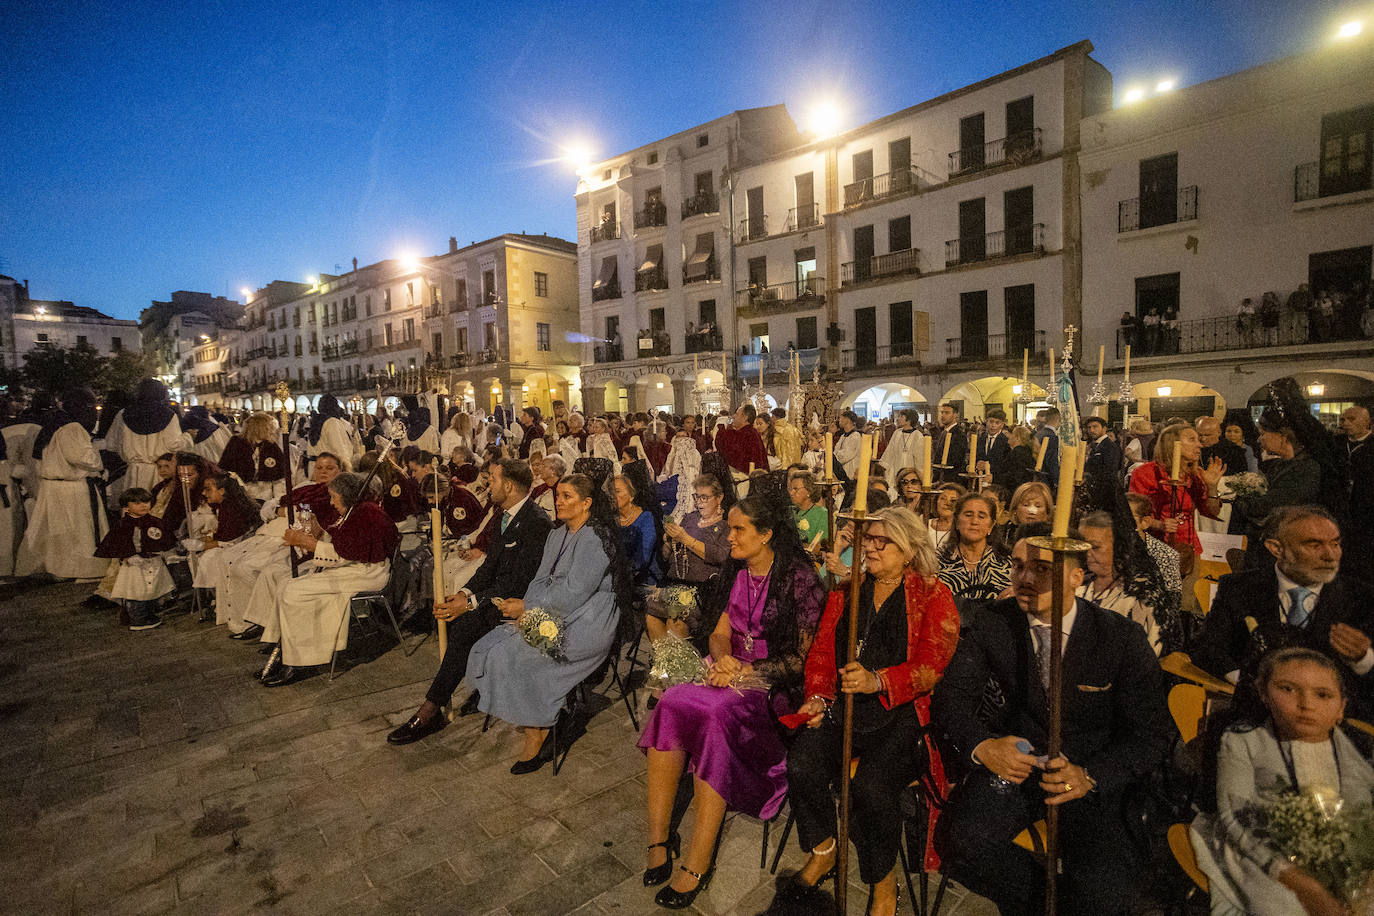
[[545, 630], [1330, 840], [676, 601], [675, 661], [1251, 483]]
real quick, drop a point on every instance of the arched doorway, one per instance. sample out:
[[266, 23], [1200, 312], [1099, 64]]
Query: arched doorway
[[1329, 393], [1164, 398], [878, 401], [1018, 399]]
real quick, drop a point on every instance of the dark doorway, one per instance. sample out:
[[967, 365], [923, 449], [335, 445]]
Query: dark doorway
[[1345, 271], [971, 140], [1347, 137], [865, 337], [758, 272], [899, 164], [1019, 305], [863, 252], [973, 325], [899, 328], [754, 227], [1020, 117], [863, 165], [1018, 216], [806, 333], [972, 230], [1159, 191]]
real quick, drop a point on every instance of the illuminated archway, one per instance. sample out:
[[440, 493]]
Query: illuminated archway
[[976, 397], [879, 400], [1329, 392], [1160, 399]]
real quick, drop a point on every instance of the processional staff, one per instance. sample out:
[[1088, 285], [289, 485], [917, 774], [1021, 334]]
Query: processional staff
[[857, 515], [436, 534], [283, 394]]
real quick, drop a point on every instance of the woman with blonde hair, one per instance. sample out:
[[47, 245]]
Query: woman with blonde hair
[[459, 432], [1031, 504], [255, 456], [908, 627], [1173, 501]]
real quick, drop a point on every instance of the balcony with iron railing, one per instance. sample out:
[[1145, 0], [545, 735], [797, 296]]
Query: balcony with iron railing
[[1282, 328], [892, 184], [661, 345], [655, 278], [700, 205], [1006, 348], [654, 214], [458, 305], [1016, 149], [882, 267], [752, 229], [1132, 215], [712, 273], [780, 297], [608, 353], [778, 364], [435, 310], [607, 231], [800, 218], [607, 291], [703, 342], [330, 353], [1310, 184], [881, 356], [1015, 240]]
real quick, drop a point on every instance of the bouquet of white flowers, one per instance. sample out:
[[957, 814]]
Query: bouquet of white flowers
[[544, 629], [1330, 840], [1251, 483]]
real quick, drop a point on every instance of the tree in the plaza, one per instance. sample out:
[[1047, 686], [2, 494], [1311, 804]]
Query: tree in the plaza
[[58, 369], [126, 369]]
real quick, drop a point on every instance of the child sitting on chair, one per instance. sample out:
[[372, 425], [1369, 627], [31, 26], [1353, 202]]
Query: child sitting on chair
[[138, 541]]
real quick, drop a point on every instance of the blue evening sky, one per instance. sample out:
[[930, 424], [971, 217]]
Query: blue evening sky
[[150, 147]]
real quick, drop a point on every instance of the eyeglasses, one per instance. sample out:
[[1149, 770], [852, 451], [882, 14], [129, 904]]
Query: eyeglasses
[[911, 482], [701, 496], [879, 541]]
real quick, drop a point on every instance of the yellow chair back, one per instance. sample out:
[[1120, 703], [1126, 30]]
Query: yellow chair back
[[1188, 705], [1033, 838], [1202, 590], [1181, 845]]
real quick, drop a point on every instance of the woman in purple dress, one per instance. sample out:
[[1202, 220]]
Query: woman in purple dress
[[768, 608]]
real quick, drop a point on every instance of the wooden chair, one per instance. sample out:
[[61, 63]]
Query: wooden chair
[[1180, 665], [1212, 569], [1033, 838], [1360, 726], [1181, 845], [1188, 706], [1202, 590]]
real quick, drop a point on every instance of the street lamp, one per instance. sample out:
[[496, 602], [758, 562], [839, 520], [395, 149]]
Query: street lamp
[[1350, 29]]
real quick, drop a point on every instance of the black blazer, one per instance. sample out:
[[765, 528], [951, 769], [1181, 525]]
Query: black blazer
[[1102, 473], [997, 454], [513, 557], [1225, 643], [958, 454], [1116, 724]]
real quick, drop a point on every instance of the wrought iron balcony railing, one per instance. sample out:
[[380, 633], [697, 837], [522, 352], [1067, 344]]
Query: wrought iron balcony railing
[[901, 353], [1018, 148], [780, 297], [803, 218], [881, 267], [700, 204], [1310, 184], [751, 229], [605, 232], [899, 181], [1132, 214], [1008, 347], [655, 213], [1027, 238], [653, 279], [609, 291]]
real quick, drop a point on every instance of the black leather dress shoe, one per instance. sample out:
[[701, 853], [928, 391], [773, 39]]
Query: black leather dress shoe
[[282, 676], [414, 729], [253, 632]]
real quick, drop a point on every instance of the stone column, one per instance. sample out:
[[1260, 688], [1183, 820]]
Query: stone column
[[593, 400], [682, 396]]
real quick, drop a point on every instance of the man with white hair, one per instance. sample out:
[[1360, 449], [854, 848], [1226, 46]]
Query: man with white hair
[[1304, 600]]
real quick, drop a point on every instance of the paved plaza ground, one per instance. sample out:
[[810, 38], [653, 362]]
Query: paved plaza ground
[[149, 773]]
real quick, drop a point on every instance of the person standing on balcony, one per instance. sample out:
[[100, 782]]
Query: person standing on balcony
[[1299, 305]]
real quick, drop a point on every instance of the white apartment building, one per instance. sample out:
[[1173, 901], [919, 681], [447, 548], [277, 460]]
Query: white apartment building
[[494, 322], [918, 256], [26, 324], [914, 258], [655, 263], [1196, 200]]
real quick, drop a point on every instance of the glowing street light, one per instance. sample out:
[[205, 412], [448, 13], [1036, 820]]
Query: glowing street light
[[1350, 29], [1316, 390], [824, 119], [1133, 95], [1164, 391], [578, 155], [247, 293], [313, 281], [1164, 86]]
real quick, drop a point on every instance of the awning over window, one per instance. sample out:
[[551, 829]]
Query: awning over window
[[608, 273], [652, 258], [698, 264]]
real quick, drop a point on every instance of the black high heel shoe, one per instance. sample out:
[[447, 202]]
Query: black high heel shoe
[[672, 899], [546, 753], [794, 889], [655, 876]]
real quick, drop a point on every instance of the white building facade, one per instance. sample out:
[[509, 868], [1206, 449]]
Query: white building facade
[[26, 324], [1198, 200]]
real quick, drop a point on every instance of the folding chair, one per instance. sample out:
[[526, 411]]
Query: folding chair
[[1181, 845], [360, 607]]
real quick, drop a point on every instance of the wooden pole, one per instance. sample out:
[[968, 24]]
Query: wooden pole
[[858, 514], [436, 533], [1056, 730], [290, 487]]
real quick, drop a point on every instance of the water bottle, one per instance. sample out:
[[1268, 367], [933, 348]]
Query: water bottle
[[1003, 786]]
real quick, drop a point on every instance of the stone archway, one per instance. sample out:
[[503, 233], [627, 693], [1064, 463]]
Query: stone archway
[[1328, 391], [1159, 399], [878, 399], [975, 397]]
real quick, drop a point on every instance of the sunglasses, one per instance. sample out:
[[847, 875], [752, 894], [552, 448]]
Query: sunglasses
[[911, 482], [879, 541]]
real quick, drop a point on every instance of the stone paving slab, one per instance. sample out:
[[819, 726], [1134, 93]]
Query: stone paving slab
[[148, 773]]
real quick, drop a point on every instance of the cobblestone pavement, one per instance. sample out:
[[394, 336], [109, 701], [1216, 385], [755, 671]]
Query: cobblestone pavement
[[148, 773]]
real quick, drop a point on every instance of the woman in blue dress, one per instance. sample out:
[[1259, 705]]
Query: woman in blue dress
[[583, 578], [640, 529]]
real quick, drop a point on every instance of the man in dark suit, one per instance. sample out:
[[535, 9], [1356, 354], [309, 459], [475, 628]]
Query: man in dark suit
[[1214, 445], [513, 557], [1102, 466], [1303, 600], [1356, 451], [1047, 437], [994, 447], [1115, 731], [949, 436]]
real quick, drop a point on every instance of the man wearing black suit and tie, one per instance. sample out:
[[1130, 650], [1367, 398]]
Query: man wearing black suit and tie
[[513, 558], [1115, 731], [1101, 466], [1303, 600], [957, 456], [994, 447]]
